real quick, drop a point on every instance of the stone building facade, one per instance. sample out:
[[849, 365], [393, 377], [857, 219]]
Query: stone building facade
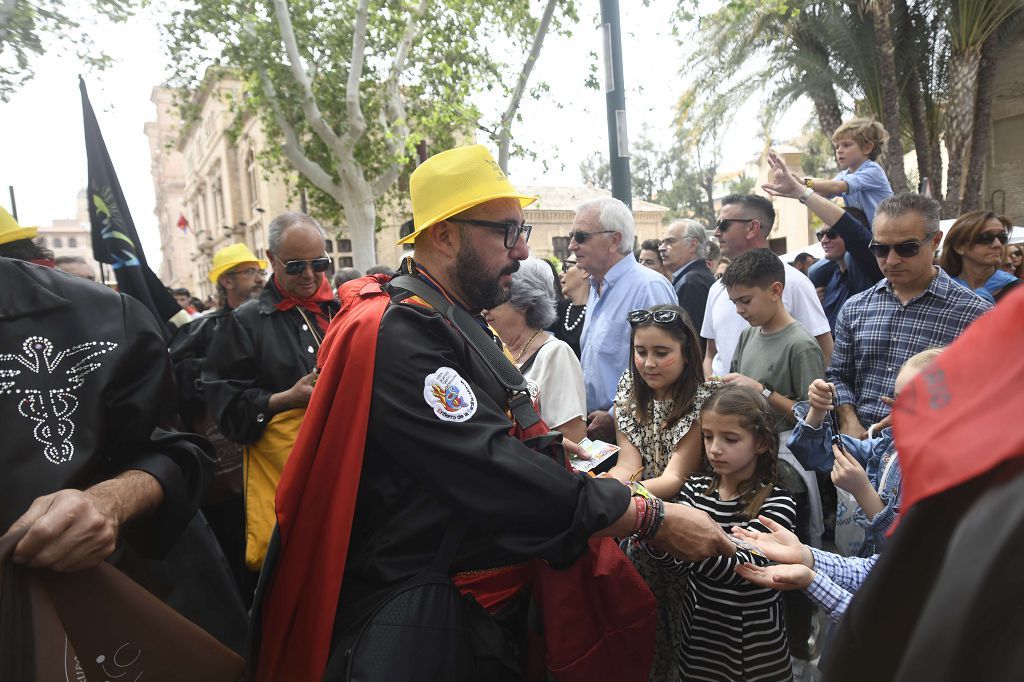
[[72, 236]]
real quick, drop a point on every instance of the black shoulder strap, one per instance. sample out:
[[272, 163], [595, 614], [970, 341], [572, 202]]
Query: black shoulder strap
[[504, 371]]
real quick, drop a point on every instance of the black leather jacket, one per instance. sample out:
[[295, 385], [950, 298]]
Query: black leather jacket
[[85, 380], [258, 351]]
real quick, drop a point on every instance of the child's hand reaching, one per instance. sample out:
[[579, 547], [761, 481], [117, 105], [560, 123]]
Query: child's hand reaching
[[848, 474], [779, 577], [779, 545]]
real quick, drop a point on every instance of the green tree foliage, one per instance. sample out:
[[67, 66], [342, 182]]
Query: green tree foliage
[[29, 28], [349, 89]]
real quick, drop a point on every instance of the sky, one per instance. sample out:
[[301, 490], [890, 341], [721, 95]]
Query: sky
[[44, 149]]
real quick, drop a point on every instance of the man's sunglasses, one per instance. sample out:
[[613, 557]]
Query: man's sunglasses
[[568, 265], [511, 229], [723, 223], [581, 237], [986, 238], [636, 317], [297, 267], [903, 249], [830, 233], [248, 272]]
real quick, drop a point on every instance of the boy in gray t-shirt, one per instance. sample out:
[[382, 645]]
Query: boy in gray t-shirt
[[776, 356]]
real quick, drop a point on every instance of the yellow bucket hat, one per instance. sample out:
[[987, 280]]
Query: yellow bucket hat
[[11, 231], [453, 181], [229, 257]]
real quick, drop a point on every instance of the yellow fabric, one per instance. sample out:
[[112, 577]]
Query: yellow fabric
[[230, 256], [264, 463], [11, 231], [453, 181]]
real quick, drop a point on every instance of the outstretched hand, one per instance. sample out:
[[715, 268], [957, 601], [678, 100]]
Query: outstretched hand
[[784, 183], [778, 577], [779, 545], [691, 535]]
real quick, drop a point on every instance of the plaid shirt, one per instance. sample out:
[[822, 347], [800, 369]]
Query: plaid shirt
[[836, 578], [876, 334]]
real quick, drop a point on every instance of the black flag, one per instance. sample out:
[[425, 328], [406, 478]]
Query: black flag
[[114, 238]]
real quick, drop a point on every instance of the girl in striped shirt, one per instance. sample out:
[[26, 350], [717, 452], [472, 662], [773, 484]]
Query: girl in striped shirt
[[733, 630]]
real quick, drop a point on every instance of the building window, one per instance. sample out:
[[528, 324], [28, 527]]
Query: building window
[[404, 231], [345, 246], [252, 172], [561, 247], [58, 242], [330, 245], [72, 243], [346, 261]]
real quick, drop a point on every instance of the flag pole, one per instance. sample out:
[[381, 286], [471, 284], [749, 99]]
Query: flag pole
[[14, 204]]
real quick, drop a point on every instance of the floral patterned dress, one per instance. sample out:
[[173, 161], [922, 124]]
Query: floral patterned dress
[[656, 446]]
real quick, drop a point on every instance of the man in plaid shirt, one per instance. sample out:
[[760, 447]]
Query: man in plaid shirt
[[917, 306]]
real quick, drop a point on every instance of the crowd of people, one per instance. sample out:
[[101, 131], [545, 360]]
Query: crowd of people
[[378, 467]]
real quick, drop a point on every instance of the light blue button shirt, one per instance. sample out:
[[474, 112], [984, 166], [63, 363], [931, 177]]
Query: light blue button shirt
[[605, 341]]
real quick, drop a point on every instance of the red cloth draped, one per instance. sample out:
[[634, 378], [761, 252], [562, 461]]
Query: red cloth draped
[[317, 494], [959, 419], [323, 294]]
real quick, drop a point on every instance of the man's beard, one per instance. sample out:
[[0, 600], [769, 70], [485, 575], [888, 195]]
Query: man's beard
[[480, 289]]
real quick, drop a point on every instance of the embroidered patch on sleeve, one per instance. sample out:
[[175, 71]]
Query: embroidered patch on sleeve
[[449, 395]]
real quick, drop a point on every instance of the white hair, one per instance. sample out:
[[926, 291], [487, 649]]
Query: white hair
[[533, 292], [615, 216], [695, 231], [282, 222]]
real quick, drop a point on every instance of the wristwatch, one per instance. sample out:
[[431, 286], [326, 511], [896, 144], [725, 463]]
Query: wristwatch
[[767, 390], [805, 195]]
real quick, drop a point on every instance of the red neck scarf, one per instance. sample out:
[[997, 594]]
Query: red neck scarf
[[323, 294]]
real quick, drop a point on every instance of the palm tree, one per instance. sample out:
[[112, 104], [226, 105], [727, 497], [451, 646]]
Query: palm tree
[[971, 24], [880, 12]]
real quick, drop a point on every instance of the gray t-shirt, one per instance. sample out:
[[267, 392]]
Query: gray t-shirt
[[789, 360]]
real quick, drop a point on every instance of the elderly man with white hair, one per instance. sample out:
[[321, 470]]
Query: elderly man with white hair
[[684, 250], [549, 364], [602, 238]]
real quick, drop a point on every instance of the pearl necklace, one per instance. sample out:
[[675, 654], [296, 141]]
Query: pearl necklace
[[570, 327]]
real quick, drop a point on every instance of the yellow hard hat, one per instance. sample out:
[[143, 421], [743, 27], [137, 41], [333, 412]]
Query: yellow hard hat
[[229, 257], [11, 231], [453, 181]]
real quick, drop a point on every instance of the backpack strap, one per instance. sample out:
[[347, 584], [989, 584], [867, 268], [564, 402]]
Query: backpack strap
[[501, 367]]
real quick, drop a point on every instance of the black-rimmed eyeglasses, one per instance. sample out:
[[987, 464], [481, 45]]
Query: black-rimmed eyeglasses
[[829, 232], [986, 238], [511, 229], [297, 267], [903, 249], [568, 265]]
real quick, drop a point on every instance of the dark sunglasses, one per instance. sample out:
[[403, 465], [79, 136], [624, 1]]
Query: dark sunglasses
[[829, 232], [723, 223], [297, 267], [568, 265], [581, 237], [636, 317], [511, 229], [986, 238], [903, 249]]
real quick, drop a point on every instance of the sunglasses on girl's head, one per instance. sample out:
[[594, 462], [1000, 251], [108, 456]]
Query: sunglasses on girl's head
[[636, 317], [568, 265], [830, 233], [903, 249], [986, 238], [297, 267]]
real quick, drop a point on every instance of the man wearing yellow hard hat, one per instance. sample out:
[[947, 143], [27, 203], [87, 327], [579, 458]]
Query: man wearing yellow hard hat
[[408, 465], [19, 242], [238, 276]]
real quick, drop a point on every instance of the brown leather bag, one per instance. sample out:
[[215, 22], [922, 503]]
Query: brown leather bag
[[97, 625]]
